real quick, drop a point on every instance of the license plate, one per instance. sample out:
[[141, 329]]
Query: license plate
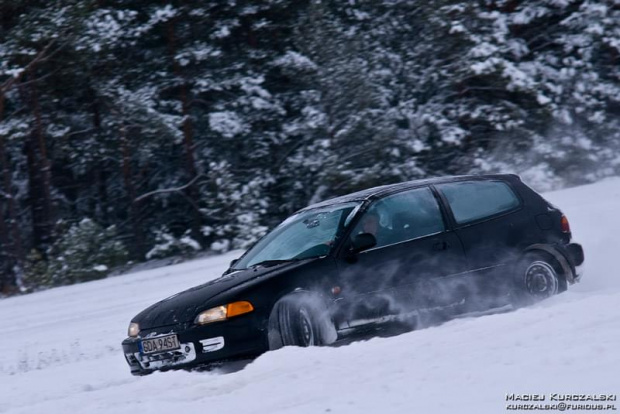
[[163, 343]]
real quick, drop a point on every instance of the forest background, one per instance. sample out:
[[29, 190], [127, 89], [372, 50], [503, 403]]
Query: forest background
[[133, 130]]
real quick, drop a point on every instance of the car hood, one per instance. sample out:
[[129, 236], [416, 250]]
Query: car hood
[[183, 307]]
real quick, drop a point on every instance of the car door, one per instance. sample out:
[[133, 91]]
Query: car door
[[412, 264], [490, 221]]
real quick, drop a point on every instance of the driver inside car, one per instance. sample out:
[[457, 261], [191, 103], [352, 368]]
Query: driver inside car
[[371, 223]]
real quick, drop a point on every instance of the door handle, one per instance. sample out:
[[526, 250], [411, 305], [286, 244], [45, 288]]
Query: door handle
[[442, 245]]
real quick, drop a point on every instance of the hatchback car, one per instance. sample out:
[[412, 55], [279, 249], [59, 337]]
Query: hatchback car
[[401, 252]]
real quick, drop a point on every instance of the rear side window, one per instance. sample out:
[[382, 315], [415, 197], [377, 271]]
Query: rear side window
[[475, 200]]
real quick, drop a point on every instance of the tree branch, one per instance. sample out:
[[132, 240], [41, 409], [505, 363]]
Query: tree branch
[[8, 84], [167, 190]]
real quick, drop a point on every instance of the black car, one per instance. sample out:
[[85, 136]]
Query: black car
[[443, 246]]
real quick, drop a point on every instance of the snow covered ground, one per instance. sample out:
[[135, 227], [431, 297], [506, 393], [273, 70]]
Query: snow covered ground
[[60, 349]]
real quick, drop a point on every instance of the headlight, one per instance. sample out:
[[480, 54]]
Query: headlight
[[134, 329], [211, 315], [223, 312]]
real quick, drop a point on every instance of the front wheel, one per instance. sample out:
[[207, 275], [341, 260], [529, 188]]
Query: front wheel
[[538, 277], [300, 319]]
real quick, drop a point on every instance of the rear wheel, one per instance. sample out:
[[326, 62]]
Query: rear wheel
[[538, 277], [300, 319]]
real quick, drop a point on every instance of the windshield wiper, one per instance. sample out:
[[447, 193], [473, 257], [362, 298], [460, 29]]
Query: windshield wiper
[[273, 262]]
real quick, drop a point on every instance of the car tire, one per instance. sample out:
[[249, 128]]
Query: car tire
[[300, 319], [538, 276]]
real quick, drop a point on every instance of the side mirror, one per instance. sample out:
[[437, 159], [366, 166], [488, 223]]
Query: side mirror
[[363, 242]]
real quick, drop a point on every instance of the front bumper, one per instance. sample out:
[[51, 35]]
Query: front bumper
[[199, 345]]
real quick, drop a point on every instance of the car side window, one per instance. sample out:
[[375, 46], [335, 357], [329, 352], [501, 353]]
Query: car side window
[[474, 200], [401, 217]]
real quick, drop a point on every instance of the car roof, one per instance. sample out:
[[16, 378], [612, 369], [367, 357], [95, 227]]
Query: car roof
[[378, 192]]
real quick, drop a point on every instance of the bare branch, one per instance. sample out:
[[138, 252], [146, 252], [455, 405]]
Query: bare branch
[[168, 190], [8, 84]]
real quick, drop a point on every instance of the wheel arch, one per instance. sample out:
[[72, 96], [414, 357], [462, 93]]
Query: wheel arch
[[301, 292], [567, 270], [296, 291]]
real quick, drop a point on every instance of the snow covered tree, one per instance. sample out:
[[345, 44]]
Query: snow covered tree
[[85, 251], [200, 124]]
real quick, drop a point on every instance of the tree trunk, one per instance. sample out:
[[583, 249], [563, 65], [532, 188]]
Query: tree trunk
[[12, 245], [12, 278], [137, 247], [100, 174], [188, 136], [7, 276], [44, 162], [39, 172]]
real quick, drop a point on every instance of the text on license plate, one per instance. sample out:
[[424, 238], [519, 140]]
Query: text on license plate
[[163, 343]]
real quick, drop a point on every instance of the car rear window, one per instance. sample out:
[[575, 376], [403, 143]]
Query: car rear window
[[475, 200]]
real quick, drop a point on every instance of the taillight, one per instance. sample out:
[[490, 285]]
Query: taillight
[[565, 224]]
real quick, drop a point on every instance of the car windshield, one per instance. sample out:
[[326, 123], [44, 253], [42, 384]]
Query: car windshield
[[307, 234]]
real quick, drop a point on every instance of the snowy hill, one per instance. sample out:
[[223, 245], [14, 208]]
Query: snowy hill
[[60, 349]]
